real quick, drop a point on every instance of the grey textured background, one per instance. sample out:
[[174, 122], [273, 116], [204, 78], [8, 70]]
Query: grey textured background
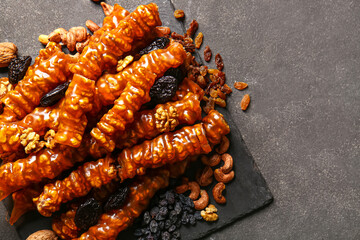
[[301, 60]]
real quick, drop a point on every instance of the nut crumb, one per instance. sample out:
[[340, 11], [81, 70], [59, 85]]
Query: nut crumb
[[123, 63], [49, 138]]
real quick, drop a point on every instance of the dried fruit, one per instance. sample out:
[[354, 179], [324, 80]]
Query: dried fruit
[[199, 40], [192, 28], [91, 26], [88, 214], [44, 39], [117, 199], [54, 95], [219, 62], [159, 43], [207, 54], [245, 102], [226, 89], [43, 235], [224, 146], [163, 89], [17, 68], [203, 70], [209, 214], [176, 73], [8, 51], [179, 14], [240, 85]]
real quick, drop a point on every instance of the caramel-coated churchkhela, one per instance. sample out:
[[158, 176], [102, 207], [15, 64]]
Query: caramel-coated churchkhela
[[39, 120], [46, 163], [163, 118], [104, 53], [140, 193], [135, 94], [173, 147], [64, 226], [78, 100], [78, 184], [51, 68]]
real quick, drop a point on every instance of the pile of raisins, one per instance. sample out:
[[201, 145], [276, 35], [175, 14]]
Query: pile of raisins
[[167, 213]]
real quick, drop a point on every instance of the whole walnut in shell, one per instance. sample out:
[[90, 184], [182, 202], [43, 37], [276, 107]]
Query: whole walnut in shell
[[43, 235], [8, 51]]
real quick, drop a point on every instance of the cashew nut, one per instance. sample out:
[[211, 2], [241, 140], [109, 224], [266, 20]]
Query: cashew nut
[[211, 161], [205, 176], [195, 190], [182, 188], [220, 176], [228, 163], [217, 193], [203, 201], [224, 145]]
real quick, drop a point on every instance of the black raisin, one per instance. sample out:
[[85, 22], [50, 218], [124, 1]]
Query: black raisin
[[170, 197], [198, 216], [161, 225], [173, 216], [146, 218], [154, 211], [165, 236], [17, 68], [160, 217], [163, 211], [163, 203], [192, 219], [163, 89], [159, 43], [167, 224], [176, 235], [178, 208], [185, 218], [88, 214], [172, 228], [117, 199], [54, 95], [154, 226], [139, 232]]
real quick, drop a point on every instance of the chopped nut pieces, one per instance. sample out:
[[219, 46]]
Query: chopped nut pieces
[[245, 102], [166, 120], [179, 14], [209, 214], [31, 141], [240, 85], [122, 63], [5, 86], [199, 40], [49, 138]]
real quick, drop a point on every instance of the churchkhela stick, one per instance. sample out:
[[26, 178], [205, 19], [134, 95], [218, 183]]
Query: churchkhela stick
[[140, 193], [64, 226], [51, 68], [101, 55], [77, 184], [163, 118], [173, 147], [135, 94], [46, 163]]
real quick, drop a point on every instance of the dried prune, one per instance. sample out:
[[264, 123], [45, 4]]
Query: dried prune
[[17, 68], [88, 214], [176, 73], [179, 14], [54, 95], [207, 54], [159, 43], [163, 89], [117, 199], [219, 62]]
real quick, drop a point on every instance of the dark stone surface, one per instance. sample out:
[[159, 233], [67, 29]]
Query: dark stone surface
[[301, 60]]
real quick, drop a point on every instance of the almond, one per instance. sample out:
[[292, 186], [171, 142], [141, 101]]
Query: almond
[[92, 26]]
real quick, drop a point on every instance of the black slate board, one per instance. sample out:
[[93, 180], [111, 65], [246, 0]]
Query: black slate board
[[245, 194]]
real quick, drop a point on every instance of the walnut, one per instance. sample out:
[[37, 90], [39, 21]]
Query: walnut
[[49, 138], [166, 120], [209, 214], [122, 63], [31, 141], [5, 86], [43, 235]]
